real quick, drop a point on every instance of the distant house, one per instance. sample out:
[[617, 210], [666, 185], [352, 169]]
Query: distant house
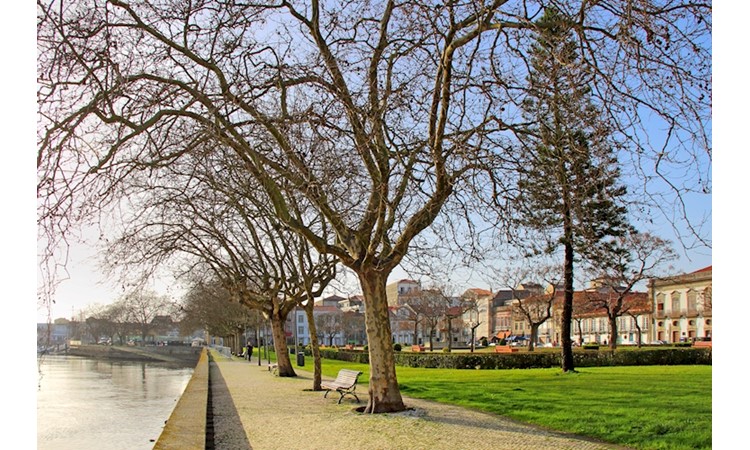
[[53, 334], [503, 323], [395, 291], [482, 313], [355, 303], [165, 329], [332, 301], [403, 325]]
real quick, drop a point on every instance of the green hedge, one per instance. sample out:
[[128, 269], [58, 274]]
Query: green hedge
[[528, 360]]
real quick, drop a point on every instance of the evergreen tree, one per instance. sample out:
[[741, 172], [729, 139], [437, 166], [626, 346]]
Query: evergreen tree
[[569, 186]]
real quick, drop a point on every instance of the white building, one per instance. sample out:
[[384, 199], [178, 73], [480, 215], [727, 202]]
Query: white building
[[682, 306]]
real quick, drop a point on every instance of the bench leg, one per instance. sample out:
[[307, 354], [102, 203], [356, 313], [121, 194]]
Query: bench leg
[[326, 394], [343, 393]]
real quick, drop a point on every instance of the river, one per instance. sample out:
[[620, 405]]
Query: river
[[85, 403]]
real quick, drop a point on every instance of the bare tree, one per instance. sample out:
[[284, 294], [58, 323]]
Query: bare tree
[[329, 325], [643, 307], [208, 306], [532, 301], [141, 307], [473, 324], [641, 256], [206, 217], [431, 305], [353, 325], [452, 313], [374, 113], [415, 317], [536, 310]]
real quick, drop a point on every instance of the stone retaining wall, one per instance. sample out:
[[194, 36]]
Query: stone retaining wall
[[186, 427], [180, 354]]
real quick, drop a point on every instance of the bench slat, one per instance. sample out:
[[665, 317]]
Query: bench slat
[[345, 384]]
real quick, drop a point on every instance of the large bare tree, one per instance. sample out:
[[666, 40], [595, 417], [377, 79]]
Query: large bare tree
[[374, 113], [206, 217]]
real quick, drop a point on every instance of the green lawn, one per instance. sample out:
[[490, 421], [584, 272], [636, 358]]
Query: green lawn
[[645, 407]]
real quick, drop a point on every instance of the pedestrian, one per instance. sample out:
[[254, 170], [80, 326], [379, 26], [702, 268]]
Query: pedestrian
[[249, 352]]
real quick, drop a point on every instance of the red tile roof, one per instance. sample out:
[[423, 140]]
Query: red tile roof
[[479, 291], [705, 269]]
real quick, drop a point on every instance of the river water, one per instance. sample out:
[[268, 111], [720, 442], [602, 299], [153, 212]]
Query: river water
[[85, 403]]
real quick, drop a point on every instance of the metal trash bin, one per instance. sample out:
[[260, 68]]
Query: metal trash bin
[[300, 359]]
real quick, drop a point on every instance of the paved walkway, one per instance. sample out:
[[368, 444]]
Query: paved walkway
[[256, 410]]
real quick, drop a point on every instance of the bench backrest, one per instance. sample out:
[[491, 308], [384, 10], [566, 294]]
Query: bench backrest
[[348, 377]]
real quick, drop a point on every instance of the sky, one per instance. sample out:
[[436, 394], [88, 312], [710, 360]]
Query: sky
[[730, 191], [85, 286]]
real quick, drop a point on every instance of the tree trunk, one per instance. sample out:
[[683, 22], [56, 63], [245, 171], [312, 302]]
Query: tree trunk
[[567, 313], [450, 335], [283, 361], [580, 332], [385, 395], [533, 337], [612, 332], [315, 345], [639, 338]]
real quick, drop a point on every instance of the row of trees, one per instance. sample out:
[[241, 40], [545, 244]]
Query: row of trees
[[255, 145], [133, 314]]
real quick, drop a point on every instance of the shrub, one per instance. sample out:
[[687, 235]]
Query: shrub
[[445, 350], [502, 342], [483, 342], [529, 360], [591, 346], [397, 347]]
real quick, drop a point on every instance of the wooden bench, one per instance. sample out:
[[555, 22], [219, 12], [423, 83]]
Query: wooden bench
[[348, 347], [505, 349], [345, 384], [417, 348]]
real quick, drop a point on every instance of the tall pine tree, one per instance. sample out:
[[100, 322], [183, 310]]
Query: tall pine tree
[[569, 179]]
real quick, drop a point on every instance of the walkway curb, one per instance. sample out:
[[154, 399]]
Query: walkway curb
[[186, 427]]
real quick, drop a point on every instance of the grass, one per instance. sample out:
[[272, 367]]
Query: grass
[[644, 407]]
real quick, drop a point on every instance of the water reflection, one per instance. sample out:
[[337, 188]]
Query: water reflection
[[85, 403]]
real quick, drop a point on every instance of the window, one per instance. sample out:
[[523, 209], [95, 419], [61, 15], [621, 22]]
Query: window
[[300, 319], [692, 300], [300, 330], [675, 302], [707, 298]]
